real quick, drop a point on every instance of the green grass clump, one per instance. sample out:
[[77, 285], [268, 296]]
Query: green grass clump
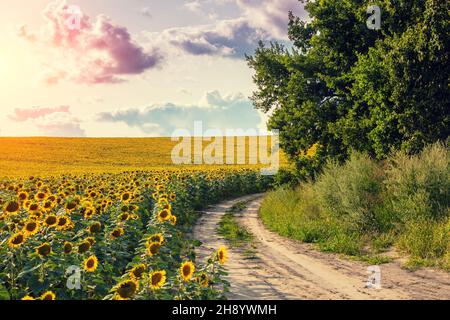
[[364, 207], [229, 228]]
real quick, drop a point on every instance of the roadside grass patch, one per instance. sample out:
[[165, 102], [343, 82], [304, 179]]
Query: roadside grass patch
[[236, 235], [364, 207]]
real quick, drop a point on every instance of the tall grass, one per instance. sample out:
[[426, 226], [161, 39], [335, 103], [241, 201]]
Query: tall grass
[[366, 206]]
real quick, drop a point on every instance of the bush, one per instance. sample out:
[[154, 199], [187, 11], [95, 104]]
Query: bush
[[425, 239], [352, 192], [403, 201], [419, 186]]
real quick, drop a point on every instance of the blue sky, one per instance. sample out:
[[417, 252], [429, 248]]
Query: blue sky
[[132, 68]]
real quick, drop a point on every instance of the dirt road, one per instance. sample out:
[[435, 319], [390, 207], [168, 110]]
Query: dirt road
[[286, 269]]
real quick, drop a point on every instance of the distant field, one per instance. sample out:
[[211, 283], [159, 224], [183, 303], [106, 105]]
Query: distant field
[[52, 156]]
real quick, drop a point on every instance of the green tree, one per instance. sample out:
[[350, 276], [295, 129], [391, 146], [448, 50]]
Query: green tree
[[346, 87]]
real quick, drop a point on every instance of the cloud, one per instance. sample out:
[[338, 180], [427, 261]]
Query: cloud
[[260, 20], [21, 115], [227, 38], [271, 16], [86, 51], [194, 5], [146, 12], [55, 122], [214, 110], [60, 125]]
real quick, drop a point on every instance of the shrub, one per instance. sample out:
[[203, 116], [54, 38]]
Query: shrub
[[419, 186], [426, 239], [351, 192], [403, 201]]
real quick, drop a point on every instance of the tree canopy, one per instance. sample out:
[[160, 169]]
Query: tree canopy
[[348, 87]]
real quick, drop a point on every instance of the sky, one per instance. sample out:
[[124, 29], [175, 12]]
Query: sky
[[134, 68]]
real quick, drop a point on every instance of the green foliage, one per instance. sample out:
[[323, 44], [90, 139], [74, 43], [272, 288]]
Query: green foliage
[[363, 207], [420, 186], [347, 87], [235, 234], [351, 192]]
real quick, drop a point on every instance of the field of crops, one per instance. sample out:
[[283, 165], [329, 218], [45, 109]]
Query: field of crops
[[110, 235], [21, 157]]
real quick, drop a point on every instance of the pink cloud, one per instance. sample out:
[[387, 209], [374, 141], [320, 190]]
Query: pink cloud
[[91, 52], [54, 122], [270, 15], [21, 115], [60, 125]]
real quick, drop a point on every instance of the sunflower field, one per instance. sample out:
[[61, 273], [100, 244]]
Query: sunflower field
[[113, 235]]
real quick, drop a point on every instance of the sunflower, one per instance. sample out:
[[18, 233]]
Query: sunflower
[[138, 271], [125, 197], [89, 212], [91, 240], [96, 227], [222, 255], [153, 248], [44, 249], [91, 264], [49, 295], [34, 207], [36, 215], [16, 240], [164, 215], [68, 247], [118, 232], [163, 201], [63, 222], [202, 279], [172, 196], [11, 207], [157, 279], [27, 297], [156, 238], [71, 205], [84, 246], [31, 228], [126, 289], [40, 196], [22, 195], [173, 220], [124, 216], [51, 220], [187, 269], [133, 207]]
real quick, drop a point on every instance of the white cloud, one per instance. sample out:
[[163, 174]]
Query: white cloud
[[233, 111]]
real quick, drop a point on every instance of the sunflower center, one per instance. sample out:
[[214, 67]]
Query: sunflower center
[[156, 278], [13, 206], [50, 220], [126, 290], [186, 270], [31, 226], [90, 263], [18, 239]]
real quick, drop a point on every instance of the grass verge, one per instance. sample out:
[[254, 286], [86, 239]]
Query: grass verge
[[363, 207], [235, 234]]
